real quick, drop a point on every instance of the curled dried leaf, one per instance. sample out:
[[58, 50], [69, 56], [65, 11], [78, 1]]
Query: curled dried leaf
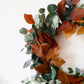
[[53, 52], [40, 38], [42, 69], [66, 26], [61, 8], [57, 62], [80, 31], [29, 19], [74, 2], [71, 32], [73, 79], [77, 14], [62, 76]]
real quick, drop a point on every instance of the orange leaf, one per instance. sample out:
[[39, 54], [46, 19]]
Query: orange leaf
[[62, 76], [42, 69], [45, 46], [30, 31], [74, 79], [77, 14], [71, 32], [74, 2], [61, 9], [57, 62], [80, 31], [40, 38], [37, 49], [52, 53], [29, 19], [79, 21], [66, 26]]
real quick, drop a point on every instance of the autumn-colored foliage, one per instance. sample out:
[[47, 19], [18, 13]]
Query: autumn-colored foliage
[[29, 19], [74, 2], [30, 31], [80, 31]]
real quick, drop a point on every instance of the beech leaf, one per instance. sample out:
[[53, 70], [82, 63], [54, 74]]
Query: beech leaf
[[29, 18], [80, 31], [57, 62]]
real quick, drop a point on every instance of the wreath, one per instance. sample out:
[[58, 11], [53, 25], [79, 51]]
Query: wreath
[[44, 50]]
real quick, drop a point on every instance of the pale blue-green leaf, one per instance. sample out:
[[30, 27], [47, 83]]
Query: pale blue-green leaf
[[68, 2], [51, 82], [82, 6], [77, 70], [53, 75], [58, 82], [23, 31], [41, 10], [27, 63]]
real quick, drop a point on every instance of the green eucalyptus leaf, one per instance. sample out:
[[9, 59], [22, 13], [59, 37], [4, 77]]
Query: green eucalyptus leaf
[[70, 70], [52, 8], [29, 37], [83, 75], [51, 82], [23, 31], [77, 70], [82, 6], [29, 50], [76, 74], [50, 17], [28, 82], [41, 10], [53, 75], [22, 81], [58, 82], [27, 63], [47, 76], [68, 2]]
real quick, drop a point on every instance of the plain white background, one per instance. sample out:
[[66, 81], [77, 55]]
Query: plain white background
[[11, 42]]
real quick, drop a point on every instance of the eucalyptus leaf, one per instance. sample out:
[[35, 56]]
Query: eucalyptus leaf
[[47, 76], [41, 10], [51, 82], [27, 63], [68, 2], [52, 8], [23, 31], [83, 75], [82, 6], [70, 70], [29, 37], [76, 74], [53, 75], [77, 70]]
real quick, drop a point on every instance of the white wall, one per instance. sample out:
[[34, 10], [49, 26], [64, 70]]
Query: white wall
[[11, 20]]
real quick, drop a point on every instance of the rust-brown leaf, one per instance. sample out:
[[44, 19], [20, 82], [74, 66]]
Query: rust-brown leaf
[[37, 49], [74, 79], [52, 53], [62, 76], [39, 36], [77, 14], [57, 62], [74, 2], [66, 26], [29, 19], [80, 31], [61, 8], [71, 32], [42, 69], [30, 31]]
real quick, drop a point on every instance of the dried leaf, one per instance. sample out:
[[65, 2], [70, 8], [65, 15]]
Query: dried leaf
[[62, 76], [74, 2], [30, 31], [40, 38], [79, 21], [29, 19], [45, 46], [52, 53], [42, 69], [71, 32], [73, 79], [77, 14], [61, 9], [37, 49], [80, 31], [66, 26], [57, 62]]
